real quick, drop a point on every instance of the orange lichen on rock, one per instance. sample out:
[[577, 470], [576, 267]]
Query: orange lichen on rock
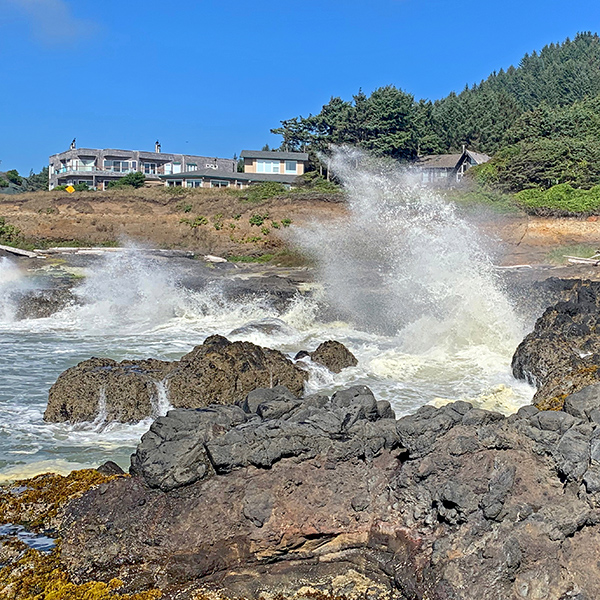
[[36, 502], [554, 403], [38, 576], [28, 574]]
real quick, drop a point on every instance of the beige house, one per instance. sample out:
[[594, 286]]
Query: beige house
[[259, 166], [274, 163]]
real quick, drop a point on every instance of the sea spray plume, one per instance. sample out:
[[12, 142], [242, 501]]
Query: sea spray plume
[[128, 288], [13, 284], [404, 262]]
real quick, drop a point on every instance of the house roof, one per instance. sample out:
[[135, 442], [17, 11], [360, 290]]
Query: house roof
[[450, 161], [479, 158], [228, 175], [439, 161], [273, 154]]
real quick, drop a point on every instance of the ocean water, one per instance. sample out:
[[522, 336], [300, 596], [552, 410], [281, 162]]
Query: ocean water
[[404, 282]]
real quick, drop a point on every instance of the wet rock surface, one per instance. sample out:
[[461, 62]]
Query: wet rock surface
[[39, 304], [333, 355], [562, 354], [270, 425], [217, 371], [280, 492], [101, 387]]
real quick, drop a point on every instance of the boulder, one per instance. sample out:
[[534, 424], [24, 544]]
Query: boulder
[[224, 372], [562, 354], [331, 354], [103, 388], [304, 496], [216, 372], [334, 355]]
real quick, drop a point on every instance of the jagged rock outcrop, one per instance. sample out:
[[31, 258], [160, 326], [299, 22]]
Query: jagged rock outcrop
[[562, 354], [215, 372], [280, 493], [272, 424]]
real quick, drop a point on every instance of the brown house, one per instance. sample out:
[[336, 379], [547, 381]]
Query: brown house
[[448, 169]]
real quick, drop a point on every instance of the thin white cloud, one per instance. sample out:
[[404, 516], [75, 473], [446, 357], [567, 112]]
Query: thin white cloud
[[52, 21]]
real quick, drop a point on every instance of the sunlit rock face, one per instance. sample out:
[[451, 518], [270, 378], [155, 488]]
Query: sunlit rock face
[[281, 492]]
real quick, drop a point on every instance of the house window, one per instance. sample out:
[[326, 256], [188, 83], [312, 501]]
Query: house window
[[291, 167], [216, 183], [194, 183], [176, 167], [192, 167], [168, 169], [267, 166], [149, 168], [117, 166], [175, 183]]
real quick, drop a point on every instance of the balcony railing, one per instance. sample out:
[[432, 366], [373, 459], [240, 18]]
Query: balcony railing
[[151, 171], [94, 169], [79, 169]]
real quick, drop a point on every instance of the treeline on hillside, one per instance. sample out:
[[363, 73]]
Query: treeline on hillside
[[13, 183], [536, 113], [546, 147]]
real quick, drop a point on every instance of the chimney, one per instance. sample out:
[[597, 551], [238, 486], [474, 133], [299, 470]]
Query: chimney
[[157, 147], [464, 148]]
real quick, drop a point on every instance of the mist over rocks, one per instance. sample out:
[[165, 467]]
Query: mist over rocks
[[215, 372], [281, 494], [562, 354]]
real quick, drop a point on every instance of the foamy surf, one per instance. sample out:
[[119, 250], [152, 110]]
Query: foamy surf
[[403, 282]]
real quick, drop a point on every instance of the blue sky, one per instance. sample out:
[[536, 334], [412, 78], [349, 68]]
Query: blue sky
[[212, 77]]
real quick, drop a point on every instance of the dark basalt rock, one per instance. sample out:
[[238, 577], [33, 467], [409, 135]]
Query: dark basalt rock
[[187, 446], [110, 468], [562, 354], [280, 493], [278, 290]]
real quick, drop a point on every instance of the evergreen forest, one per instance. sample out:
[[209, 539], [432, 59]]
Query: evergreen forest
[[540, 121]]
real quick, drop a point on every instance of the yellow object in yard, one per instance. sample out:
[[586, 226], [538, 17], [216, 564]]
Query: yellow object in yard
[[70, 189]]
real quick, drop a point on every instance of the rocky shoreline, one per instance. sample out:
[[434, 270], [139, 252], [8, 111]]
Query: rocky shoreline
[[257, 490]]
